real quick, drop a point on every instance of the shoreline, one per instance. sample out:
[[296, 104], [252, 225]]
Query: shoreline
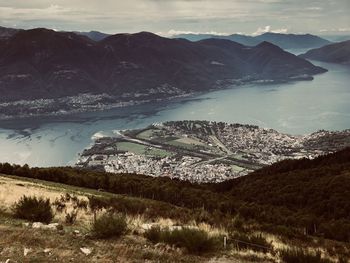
[[102, 105]]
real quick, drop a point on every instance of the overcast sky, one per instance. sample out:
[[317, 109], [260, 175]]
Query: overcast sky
[[174, 16]]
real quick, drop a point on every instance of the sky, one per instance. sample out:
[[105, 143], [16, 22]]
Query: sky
[[169, 17]]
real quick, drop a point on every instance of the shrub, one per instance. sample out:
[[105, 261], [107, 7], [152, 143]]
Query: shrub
[[33, 209], [194, 240], [154, 234], [71, 217], [109, 225], [253, 242], [297, 255]]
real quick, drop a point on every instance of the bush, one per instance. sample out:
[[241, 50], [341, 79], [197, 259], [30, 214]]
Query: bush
[[194, 240], [71, 217], [154, 234], [33, 209], [109, 225], [297, 255]]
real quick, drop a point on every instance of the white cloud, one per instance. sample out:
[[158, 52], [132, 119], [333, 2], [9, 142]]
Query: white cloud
[[266, 29], [173, 32], [342, 29]]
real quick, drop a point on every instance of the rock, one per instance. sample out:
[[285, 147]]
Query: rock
[[47, 250], [76, 232], [37, 225], [52, 226], [86, 251], [26, 251], [147, 226]]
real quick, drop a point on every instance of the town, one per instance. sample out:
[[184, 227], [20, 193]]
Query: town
[[201, 151]]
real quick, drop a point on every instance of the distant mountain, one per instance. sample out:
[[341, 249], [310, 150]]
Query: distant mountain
[[334, 53], [241, 39], [7, 32], [285, 41], [337, 38], [42, 63], [94, 35]]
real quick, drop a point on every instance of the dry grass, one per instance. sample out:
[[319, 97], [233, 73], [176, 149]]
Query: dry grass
[[65, 247], [47, 246], [12, 189]]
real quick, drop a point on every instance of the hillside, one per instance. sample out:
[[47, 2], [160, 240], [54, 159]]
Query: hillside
[[41, 63], [285, 41], [303, 203], [334, 53], [6, 32], [308, 189]]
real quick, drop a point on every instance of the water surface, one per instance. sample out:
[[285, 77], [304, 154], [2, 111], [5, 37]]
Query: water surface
[[296, 108]]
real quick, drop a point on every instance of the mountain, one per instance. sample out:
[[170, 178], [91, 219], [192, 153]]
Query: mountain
[[241, 39], [337, 38], [7, 32], [94, 35], [334, 53], [285, 41], [292, 41], [42, 63]]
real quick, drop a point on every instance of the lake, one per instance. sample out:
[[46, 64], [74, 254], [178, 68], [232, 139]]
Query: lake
[[296, 108]]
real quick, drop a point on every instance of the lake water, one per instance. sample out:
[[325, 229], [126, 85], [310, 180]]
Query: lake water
[[296, 108]]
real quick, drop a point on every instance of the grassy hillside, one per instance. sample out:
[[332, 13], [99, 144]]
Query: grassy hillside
[[300, 202]]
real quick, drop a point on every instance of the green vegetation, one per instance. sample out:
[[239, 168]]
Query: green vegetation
[[194, 240], [298, 255], [109, 225], [33, 209]]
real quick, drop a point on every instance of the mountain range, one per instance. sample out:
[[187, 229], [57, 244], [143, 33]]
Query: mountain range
[[42, 63], [334, 53], [285, 41]]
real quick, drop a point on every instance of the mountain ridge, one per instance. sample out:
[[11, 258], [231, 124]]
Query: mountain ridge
[[333, 53], [42, 63], [285, 41]]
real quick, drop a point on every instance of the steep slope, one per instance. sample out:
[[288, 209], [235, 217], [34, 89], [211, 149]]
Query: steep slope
[[334, 53], [6, 32], [318, 192], [285, 41], [42, 63], [292, 196]]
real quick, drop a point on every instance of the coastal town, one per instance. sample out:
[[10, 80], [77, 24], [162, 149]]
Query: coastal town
[[202, 151]]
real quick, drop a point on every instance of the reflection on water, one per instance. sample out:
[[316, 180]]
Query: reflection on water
[[296, 108]]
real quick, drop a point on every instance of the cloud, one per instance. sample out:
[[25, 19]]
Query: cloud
[[198, 16], [335, 30], [173, 32], [266, 29]]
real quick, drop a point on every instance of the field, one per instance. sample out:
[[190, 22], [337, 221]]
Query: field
[[142, 149]]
